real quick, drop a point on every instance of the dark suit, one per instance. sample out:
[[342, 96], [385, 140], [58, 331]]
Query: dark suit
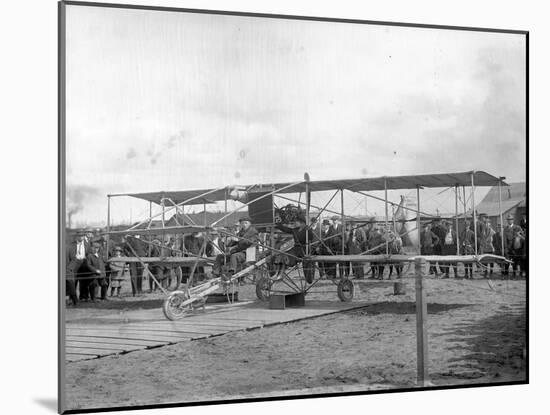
[[509, 232], [429, 241], [374, 242], [337, 241], [517, 253], [328, 248], [95, 268], [356, 242], [136, 268], [467, 239], [193, 245]]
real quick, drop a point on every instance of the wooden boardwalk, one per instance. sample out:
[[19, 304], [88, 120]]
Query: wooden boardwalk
[[144, 329]]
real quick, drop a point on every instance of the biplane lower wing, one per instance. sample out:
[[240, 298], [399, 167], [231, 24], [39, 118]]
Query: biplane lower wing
[[486, 258], [173, 260], [166, 230]]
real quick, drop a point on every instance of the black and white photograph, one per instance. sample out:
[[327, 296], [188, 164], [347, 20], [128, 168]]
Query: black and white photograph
[[261, 206]]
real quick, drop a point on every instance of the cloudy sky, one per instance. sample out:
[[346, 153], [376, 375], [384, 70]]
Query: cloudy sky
[[168, 101]]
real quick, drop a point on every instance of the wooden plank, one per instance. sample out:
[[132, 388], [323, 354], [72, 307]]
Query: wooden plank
[[130, 342], [194, 329], [100, 345], [91, 340], [206, 324], [139, 329], [91, 351], [139, 336], [79, 352]]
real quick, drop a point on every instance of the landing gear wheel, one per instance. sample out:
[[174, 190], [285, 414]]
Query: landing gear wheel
[[346, 289], [172, 308], [263, 288]]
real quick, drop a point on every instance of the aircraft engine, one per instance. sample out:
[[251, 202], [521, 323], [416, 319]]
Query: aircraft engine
[[238, 195]]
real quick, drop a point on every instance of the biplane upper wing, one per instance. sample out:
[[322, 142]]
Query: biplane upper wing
[[194, 197]]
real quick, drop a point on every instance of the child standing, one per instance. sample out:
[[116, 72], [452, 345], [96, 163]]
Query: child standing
[[117, 272]]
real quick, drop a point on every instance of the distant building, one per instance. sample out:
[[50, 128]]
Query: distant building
[[513, 202]]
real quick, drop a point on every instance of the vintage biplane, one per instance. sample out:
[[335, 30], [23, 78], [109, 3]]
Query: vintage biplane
[[263, 203]]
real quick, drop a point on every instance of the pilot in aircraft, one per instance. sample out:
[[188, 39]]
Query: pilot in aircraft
[[235, 251]]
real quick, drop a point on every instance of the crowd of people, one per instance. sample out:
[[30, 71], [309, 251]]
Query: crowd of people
[[89, 275], [440, 238]]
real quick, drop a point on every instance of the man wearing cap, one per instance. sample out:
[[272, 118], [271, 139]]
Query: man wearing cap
[[236, 250], [302, 237], [510, 231]]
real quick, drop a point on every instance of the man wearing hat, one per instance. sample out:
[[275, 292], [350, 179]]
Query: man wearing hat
[[95, 270], [236, 250], [214, 245], [510, 231], [302, 237]]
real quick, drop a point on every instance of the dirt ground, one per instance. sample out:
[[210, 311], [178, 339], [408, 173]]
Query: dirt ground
[[476, 334]]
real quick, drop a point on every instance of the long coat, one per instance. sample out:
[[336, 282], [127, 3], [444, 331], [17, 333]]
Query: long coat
[[327, 247], [95, 263], [245, 239], [509, 233], [138, 246], [336, 241], [429, 241], [356, 241], [440, 232], [467, 240]]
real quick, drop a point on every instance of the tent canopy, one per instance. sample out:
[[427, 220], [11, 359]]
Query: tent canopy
[[197, 197]]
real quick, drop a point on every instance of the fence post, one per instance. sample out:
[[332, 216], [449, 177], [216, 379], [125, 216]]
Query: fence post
[[421, 321]]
